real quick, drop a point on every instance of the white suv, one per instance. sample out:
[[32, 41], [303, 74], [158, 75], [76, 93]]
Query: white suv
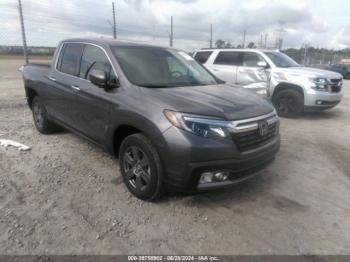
[[293, 88]]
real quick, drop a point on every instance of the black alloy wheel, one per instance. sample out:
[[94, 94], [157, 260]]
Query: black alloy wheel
[[289, 103], [141, 167], [137, 168]]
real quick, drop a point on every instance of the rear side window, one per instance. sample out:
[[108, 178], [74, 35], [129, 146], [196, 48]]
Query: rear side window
[[202, 57], [94, 58], [251, 59], [229, 58], [70, 61]]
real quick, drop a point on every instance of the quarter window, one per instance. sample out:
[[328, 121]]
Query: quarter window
[[70, 61], [229, 58], [202, 57]]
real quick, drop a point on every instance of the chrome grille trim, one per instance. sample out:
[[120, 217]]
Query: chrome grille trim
[[236, 126], [245, 125]]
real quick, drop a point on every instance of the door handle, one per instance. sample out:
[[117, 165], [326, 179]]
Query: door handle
[[75, 87], [52, 78], [215, 69]]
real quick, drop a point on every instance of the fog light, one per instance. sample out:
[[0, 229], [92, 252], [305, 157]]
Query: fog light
[[206, 177], [319, 102], [221, 176]]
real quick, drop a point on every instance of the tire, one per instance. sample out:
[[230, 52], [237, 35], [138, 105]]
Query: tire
[[288, 103], [41, 120], [347, 76], [141, 167]]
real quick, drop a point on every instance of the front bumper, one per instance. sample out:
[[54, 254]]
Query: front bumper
[[186, 156], [321, 99]]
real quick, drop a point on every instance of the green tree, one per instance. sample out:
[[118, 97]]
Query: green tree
[[220, 43], [251, 45]]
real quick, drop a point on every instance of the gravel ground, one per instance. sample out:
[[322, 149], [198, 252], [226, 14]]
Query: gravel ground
[[66, 196]]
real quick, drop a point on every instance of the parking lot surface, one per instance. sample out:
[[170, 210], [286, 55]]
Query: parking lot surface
[[66, 196]]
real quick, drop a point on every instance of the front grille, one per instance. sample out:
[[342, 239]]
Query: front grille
[[253, 139], [335, 89], [335, 81], [335, 85]]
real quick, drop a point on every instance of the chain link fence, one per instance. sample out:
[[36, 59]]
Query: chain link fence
[[318, 57]]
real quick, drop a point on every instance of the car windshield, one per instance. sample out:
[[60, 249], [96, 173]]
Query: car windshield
[[160, 67], [281, 60]]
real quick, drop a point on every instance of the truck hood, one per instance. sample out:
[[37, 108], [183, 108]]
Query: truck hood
[[224, 101], [309, 71]]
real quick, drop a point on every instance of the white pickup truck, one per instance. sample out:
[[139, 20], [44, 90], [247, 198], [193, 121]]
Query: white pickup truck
[[292, 88]]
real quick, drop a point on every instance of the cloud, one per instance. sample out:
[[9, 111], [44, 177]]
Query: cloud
[[47, 22]]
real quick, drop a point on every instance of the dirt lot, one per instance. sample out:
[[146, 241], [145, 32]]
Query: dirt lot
[[66, 196]]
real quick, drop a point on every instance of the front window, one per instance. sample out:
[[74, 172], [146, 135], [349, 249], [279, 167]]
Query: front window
[[251, 59], [281, 60], [160, 67]]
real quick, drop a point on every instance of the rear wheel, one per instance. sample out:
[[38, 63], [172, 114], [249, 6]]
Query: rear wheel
[[347, 76], [41, 120], [141, 167], [289, 103]]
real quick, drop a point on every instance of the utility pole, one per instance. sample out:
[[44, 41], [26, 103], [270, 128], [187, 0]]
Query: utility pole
[[171, 32], [211, 36], [25, 53], [265, 46], [244, 33], [305, 53], [114, 22], [261, 41]]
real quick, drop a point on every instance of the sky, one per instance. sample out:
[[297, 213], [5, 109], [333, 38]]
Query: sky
[[321, 23]]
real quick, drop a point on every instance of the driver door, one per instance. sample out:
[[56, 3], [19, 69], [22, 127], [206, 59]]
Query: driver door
[[93, 103], [250, 75]]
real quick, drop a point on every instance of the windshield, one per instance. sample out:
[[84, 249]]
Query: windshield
[[281, 60], [160, 67]]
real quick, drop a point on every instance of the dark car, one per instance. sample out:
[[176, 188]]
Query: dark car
[[343, 69], [171, 123]]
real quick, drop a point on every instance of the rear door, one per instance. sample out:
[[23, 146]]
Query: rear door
[[225, 65], [64, 75], [94, 103], [249, 74]]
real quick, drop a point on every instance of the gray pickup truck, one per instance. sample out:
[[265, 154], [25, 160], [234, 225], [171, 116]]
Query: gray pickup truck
[[171, 123], [292, 88]]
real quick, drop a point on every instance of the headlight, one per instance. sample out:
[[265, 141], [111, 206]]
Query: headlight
[[199, 125], [320, 83]]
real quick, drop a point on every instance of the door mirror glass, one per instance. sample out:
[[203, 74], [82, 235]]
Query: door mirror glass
[[262, 64], [98, 77]]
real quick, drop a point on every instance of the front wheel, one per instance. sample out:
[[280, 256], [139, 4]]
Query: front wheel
[[141, 167], [288, 103]]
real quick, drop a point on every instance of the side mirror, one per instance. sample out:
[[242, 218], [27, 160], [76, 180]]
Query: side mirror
[[98, 77], [262, 64]]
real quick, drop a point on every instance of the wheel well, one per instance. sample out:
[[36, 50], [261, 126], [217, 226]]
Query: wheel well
[[284, 86], [120, 134], [30, 96]]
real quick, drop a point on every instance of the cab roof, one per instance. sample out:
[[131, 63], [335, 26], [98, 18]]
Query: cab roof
[[109, 42]]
